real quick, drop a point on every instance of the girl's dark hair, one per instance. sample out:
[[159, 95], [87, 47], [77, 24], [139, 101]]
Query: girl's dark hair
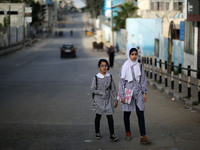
[[131, 50], [104, 60]]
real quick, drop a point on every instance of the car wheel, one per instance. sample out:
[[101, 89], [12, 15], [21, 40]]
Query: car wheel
[[61, 56]]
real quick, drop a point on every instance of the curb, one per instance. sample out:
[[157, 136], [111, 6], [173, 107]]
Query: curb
[[177, 97]]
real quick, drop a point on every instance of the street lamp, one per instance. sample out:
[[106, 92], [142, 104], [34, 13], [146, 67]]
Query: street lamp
[[112, 25]]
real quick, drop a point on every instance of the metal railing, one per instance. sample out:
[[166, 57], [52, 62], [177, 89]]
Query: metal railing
[[155, 67]]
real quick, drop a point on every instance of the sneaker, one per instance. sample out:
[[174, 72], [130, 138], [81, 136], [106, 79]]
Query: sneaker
[[98, 136], [145, 140], [128, 136], [113, 138]]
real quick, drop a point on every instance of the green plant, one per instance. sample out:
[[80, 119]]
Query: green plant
[[6, 21], [159, 82], [176, 72], [195, 103], [127, 10], [187, 97]]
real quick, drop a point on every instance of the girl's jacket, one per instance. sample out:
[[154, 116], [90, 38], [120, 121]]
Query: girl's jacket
[[105, 94], [138, 90]]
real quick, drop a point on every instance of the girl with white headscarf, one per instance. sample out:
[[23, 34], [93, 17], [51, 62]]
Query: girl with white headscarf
[[133, 77]]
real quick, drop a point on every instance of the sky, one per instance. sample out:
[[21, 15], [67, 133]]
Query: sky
[[79, 3]]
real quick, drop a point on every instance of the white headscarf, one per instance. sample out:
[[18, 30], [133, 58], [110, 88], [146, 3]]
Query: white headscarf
[[126, 72]]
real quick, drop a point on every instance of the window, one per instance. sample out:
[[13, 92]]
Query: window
[[189, 37], [1, 12], [162, 6], [152, 6], [166, 6], [12, 12], [178, 5], [159, 6]]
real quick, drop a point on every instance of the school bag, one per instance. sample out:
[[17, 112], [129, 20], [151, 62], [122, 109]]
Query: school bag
[[97, 84]]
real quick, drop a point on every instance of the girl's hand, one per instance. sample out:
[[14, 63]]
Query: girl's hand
[[116, 104], [144, 97], [123, 100]]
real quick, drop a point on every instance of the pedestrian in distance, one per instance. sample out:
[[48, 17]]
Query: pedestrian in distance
[[117, 47], [104, 96], [132, 76], [56, 33], [139, 54], [71, 33], [111, 54]]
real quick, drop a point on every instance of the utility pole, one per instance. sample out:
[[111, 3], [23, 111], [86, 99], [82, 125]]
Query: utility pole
[[24, 26], [9, 26], [112, 25]]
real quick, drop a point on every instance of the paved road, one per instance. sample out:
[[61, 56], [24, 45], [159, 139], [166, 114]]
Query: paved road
[[45, 102]]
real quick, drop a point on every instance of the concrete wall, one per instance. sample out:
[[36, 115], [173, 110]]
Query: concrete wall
[[191, 59], [165, 49], [121, 40], [166, 24], [16, 20], [144, 4], [177, 50], [16, 36], [107, 34], [143, 32]]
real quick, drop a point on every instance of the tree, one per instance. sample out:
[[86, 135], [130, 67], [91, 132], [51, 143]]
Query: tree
[[36, 10], [94, 7], [127, 10]]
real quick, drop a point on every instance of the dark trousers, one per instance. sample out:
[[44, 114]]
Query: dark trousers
[[110, 123], [141, 122]]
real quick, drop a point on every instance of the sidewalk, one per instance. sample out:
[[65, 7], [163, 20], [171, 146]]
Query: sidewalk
[[173, 93], [19, 46]]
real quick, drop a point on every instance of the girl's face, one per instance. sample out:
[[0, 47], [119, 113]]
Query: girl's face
[[133, 56], [103, 67]]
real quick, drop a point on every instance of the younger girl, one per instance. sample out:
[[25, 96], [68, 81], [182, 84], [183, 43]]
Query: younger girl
[[104, 94]]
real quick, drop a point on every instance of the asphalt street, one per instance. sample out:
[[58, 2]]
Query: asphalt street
[[45, 101]]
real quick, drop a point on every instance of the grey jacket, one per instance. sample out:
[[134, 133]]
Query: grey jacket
[[104, 95], [138, 90]]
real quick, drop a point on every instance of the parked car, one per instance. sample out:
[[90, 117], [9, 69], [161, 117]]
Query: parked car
[[67, 50]]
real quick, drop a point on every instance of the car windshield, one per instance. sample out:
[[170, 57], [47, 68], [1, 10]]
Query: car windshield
[[67, 46]]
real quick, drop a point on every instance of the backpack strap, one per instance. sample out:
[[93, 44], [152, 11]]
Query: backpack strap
[[96, 80], [141, 72], [110, 81], [96, 86]]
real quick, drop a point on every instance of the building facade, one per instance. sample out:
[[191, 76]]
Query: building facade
[[192, 34], [13, 32]]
